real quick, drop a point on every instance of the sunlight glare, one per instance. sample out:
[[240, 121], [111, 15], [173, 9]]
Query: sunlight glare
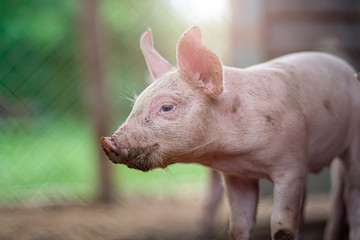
[[201, 9]]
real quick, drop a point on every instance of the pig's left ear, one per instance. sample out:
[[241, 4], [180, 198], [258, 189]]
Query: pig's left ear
[[199, 64], [157, 65]]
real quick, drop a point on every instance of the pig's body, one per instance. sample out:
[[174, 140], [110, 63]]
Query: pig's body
[[278, 120], [263, 104]]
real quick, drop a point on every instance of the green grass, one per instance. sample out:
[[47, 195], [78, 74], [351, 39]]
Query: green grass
[[54, 159]]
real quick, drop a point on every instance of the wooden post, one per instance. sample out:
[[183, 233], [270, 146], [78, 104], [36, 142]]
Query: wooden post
[[94, 58], [247, 32]]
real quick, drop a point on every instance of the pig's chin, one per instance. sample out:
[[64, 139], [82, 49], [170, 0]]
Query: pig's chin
[[139, 159], [142, 166]]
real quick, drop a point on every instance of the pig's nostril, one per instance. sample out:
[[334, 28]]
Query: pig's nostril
[[108, 145]]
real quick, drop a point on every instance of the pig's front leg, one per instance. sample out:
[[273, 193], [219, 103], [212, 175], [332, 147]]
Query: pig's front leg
[[288, 190], [352, 187], [242, 195]]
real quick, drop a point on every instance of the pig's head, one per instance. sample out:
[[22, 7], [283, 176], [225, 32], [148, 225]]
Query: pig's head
[[171, 118]]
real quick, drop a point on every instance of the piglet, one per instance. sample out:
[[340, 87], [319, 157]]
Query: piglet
[[278, 120]]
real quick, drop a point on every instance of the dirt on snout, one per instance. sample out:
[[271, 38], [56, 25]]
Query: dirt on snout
[[139, 218]]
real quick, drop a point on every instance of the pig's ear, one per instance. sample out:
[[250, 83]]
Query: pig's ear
[[157, 65], [199, 64]]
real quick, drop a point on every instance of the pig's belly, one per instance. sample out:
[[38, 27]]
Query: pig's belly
[[323, 151]]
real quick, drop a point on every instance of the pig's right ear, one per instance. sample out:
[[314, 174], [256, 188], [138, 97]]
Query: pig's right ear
[[157, 65], [199, 64]]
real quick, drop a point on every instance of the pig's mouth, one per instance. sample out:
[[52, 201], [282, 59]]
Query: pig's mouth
[[136, 158]]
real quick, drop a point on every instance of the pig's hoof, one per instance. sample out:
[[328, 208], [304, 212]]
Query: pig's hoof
[[284, 235]]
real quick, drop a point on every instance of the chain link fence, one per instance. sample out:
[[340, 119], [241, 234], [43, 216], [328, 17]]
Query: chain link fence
[[48, 144]]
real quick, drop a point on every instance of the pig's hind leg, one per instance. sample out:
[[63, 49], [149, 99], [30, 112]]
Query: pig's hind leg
[[213, 201], [337, 227], [242, 195], [352, 187]]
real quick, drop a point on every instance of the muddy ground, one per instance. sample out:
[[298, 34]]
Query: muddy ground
[[139, 218]]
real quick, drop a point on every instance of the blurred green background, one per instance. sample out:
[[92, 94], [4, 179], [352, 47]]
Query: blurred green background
[[48, 140], [48, 145]]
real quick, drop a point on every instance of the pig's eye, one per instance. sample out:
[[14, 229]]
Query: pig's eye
[[167, 107]]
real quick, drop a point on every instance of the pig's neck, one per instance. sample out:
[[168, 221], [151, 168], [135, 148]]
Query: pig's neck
[[235, 115], [235, 131]]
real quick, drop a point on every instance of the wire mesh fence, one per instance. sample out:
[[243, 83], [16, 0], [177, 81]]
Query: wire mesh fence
[[49, 148], [48, 144]]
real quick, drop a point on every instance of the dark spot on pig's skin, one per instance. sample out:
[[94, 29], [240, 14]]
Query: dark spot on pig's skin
[[147, 120], [235, 105], [327, 106], [268, 118], [272, 118], [284, 235]]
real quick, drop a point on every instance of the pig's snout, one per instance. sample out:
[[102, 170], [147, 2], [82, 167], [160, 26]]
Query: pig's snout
[[111, 149], [133, 157]]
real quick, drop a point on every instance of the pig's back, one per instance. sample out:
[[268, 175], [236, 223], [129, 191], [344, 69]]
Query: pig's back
[[328, 97]]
